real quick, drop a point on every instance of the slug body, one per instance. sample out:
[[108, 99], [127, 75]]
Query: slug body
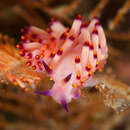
[[69, 56]]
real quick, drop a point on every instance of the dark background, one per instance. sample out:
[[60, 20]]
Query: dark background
[[26, 111]]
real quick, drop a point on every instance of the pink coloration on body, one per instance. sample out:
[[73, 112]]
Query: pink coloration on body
[[69, 56]]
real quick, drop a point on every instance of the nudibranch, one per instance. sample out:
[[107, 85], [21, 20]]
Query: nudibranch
[[69, 56]]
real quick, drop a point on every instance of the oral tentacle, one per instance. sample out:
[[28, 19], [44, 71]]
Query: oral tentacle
[[45, 93]]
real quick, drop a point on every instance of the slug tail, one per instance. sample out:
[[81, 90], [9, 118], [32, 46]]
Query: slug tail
[[64, 105]]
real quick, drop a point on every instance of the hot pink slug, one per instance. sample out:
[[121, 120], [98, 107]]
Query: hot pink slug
[[69, 56]]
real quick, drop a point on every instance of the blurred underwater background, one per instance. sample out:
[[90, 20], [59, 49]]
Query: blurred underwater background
[[97, 108]]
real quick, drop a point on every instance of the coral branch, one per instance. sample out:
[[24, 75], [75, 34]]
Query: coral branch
[[119, 16], [122, 36], [98, 8], [12, 66], [116, 93]]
